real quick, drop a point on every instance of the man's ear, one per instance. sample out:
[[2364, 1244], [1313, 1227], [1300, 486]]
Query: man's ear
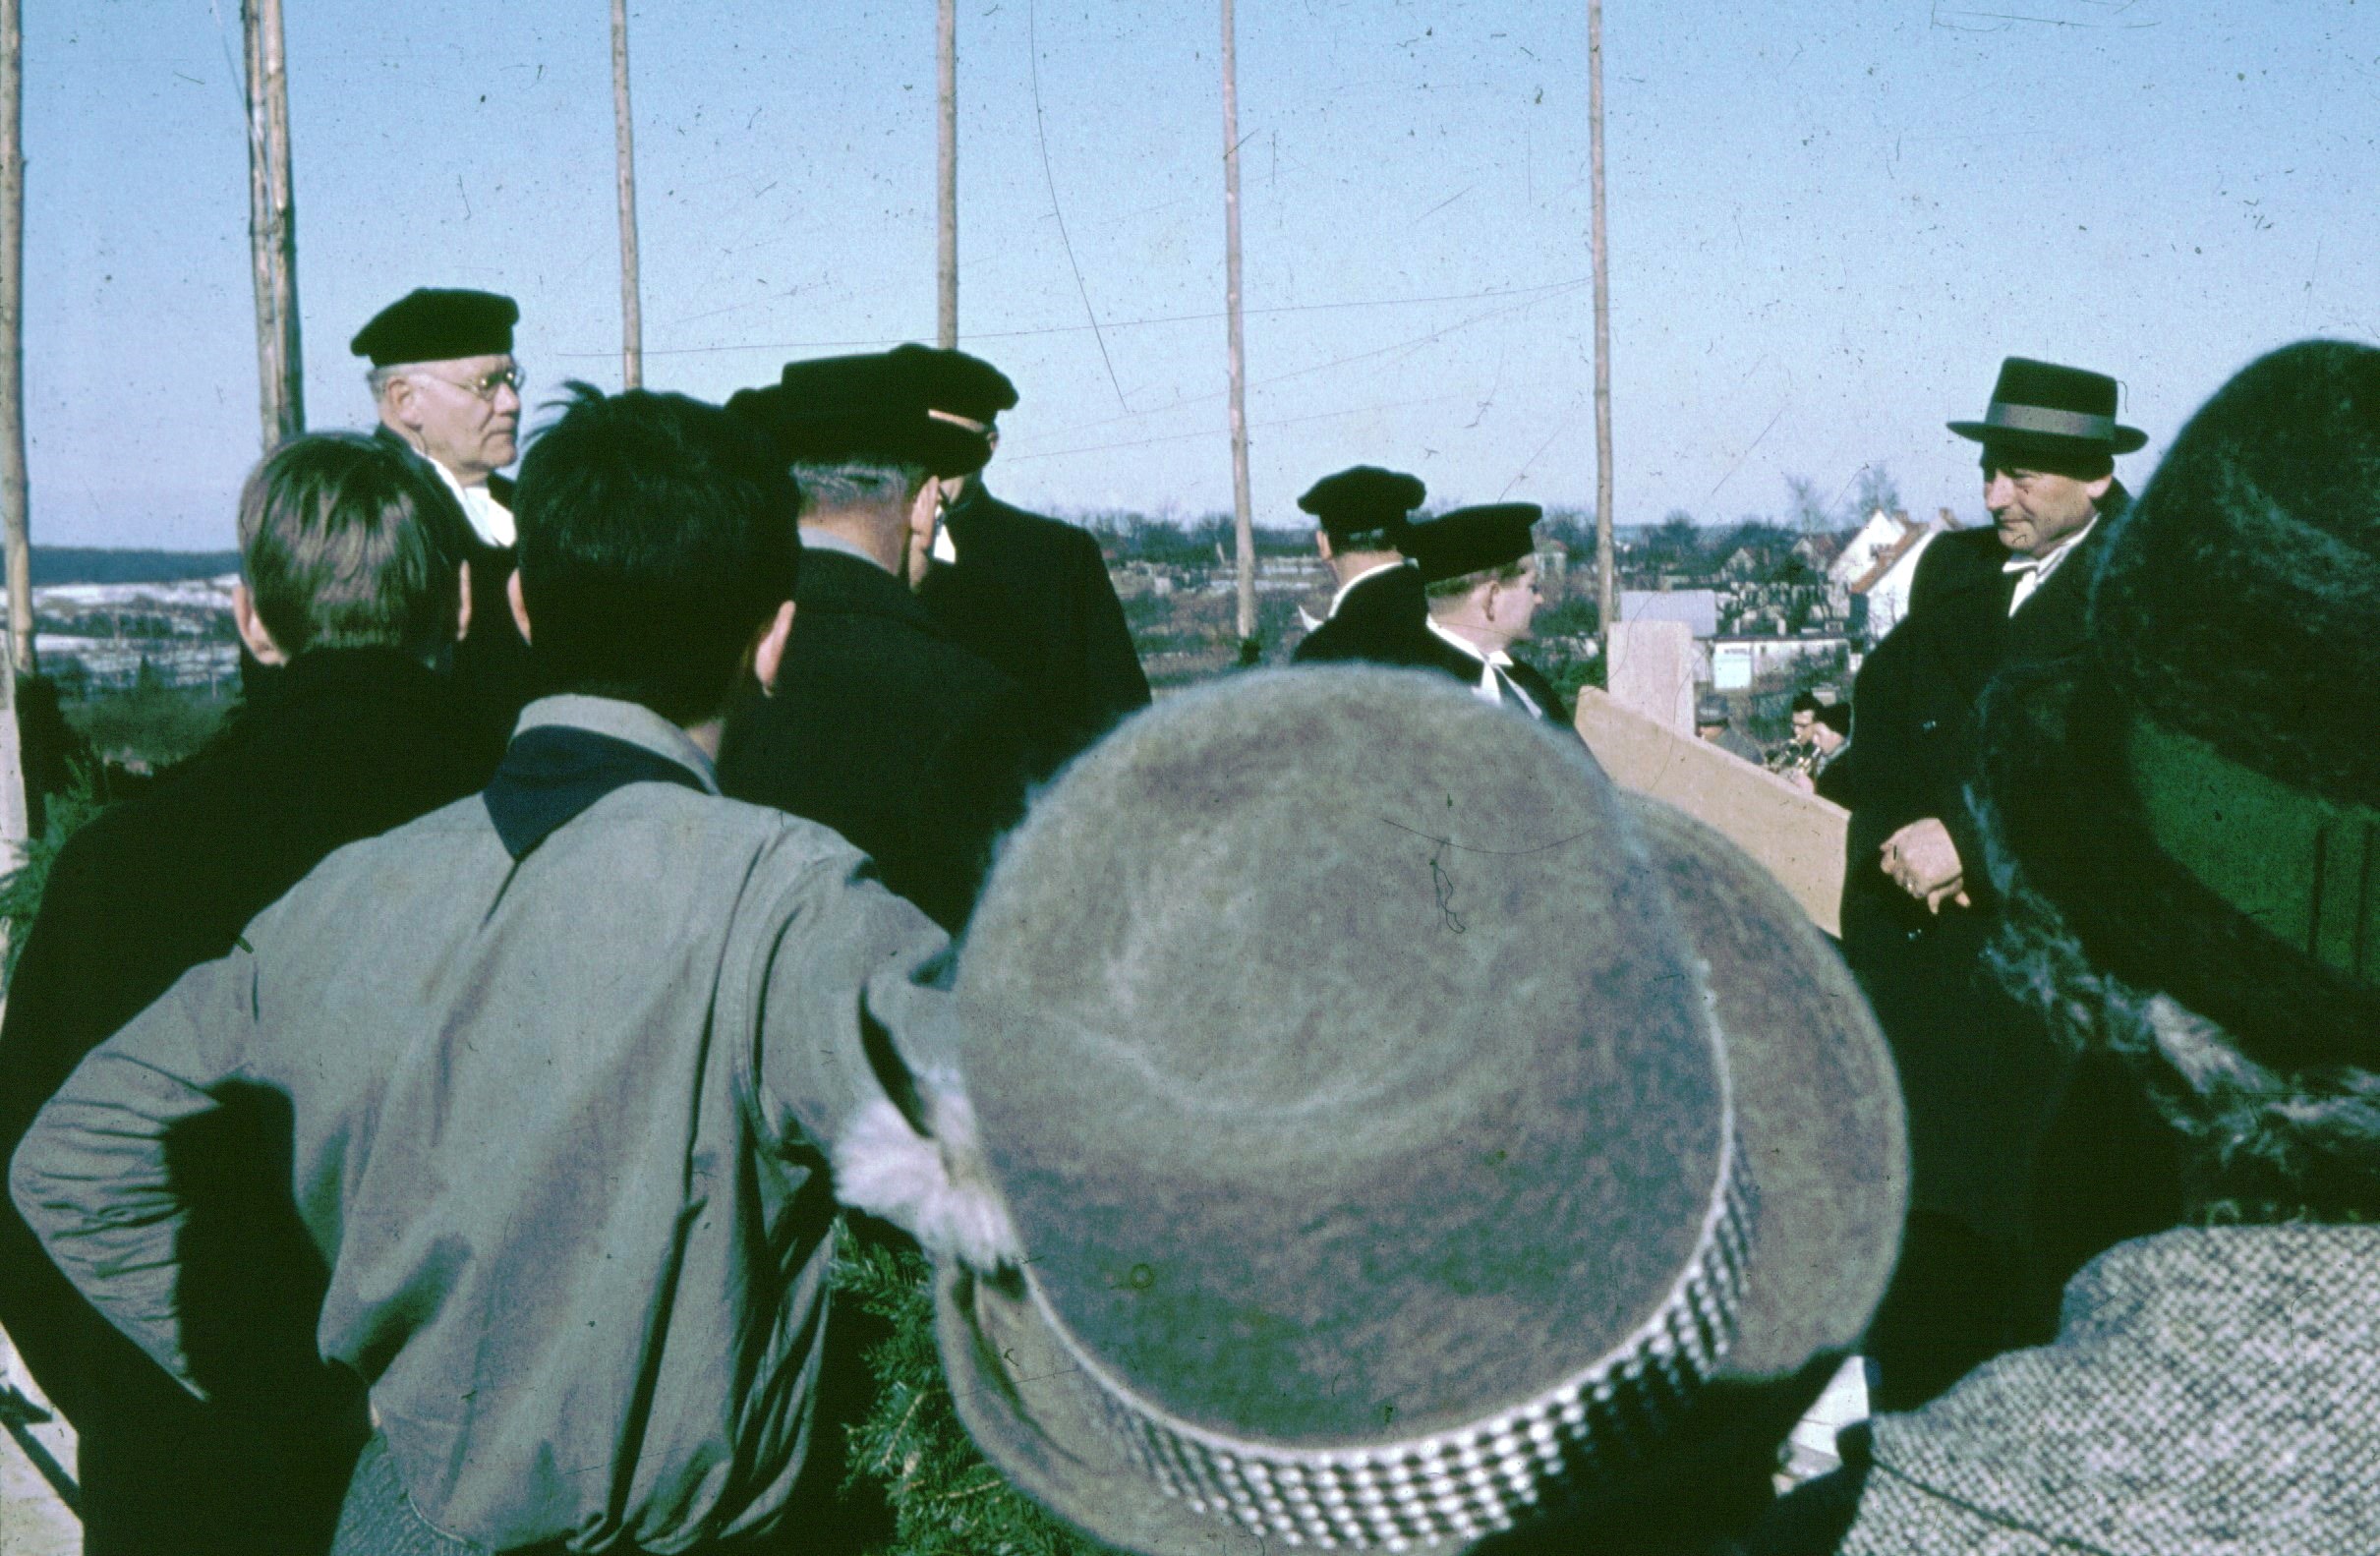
[[397, 404], [2097, 490], [251, 627], [462, 604], [1322, 544], [769, 648], [520, 606]]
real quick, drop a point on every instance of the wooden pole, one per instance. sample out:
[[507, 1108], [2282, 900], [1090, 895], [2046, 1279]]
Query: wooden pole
[[272, 226], [631, 302], [946, 243], [1242, 521], [13, 490], [1608, 593]]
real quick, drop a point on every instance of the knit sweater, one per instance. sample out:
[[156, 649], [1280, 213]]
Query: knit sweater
[[2210, 1391]]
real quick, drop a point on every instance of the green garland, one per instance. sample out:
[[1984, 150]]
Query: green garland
[[946, 1500]]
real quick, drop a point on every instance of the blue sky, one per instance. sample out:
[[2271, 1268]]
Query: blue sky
[[1830, 219]]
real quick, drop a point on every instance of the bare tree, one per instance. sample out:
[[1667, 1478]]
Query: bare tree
[[631, 300], [272, 231], [1243, 522]]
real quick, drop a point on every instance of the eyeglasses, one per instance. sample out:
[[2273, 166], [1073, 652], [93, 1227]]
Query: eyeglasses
[[487, 384]]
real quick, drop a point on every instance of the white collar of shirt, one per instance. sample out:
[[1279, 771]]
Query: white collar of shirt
[[1369, 573], [489, 519], [946, 549], [2034, 571], [1493, 682], [815, 540]]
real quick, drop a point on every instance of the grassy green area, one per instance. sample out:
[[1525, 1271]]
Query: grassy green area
[[148, 726]]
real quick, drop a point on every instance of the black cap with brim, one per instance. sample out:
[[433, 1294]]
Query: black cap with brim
[[438, 325], [1815, 1114], [958, 383], [834, 409], [1364, 501], [1468, 541], [2052, 412]]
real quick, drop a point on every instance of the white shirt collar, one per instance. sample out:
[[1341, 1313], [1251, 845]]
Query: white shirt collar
[[1369, 573], [1493, 684], [2034, 571], [489, 519]]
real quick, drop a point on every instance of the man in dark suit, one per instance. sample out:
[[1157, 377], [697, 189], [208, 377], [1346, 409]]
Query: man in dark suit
[[880, 725], [447, 386], [1479, 572], [1027, 594], [346, 588], [1983, 1082], [1380, 615]]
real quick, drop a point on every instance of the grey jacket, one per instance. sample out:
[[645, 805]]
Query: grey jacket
[[561, 1132], [2209, 1391]]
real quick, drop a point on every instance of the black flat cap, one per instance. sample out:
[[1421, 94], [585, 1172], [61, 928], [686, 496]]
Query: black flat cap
[[1471, 539], [958, 383], [873, 407], [1362, 501], [434, 324]]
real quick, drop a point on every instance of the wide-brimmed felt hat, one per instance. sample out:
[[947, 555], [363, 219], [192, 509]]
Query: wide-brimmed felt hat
[[1364, 502], [827, 410], [2197, 793], [1418, 1135], [2043, 409], [438, 325], [1464, 540]]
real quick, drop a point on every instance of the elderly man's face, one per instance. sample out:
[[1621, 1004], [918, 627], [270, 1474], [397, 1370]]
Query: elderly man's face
[[2035, 509], [465, 414]]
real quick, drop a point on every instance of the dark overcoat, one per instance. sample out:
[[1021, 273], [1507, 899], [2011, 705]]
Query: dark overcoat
[[1385, 619], [916, 750], [2024, 1162], [1030, 596], [1551, 707], [340, 745]]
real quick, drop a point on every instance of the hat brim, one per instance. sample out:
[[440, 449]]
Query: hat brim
[[1819, 1111], [2124, 440]]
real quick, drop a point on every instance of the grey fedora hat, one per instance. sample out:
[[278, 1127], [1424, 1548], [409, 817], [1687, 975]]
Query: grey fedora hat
[[1407, 1132]]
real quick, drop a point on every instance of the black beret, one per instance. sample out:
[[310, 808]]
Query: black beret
[[832, 408], [438, 325], [1471, 539], [958, 383], [1363, 499]]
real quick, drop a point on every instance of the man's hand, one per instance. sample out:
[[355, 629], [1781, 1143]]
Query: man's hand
[[1924, 862]]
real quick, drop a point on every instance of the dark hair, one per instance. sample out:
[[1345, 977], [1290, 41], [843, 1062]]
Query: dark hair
[[347, 542], [656, 539], [1806, 702]]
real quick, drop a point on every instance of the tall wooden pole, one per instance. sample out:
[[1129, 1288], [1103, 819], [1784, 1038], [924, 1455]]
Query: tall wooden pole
[[631, 302], [14, 497], [272, 233], [946, 243], [1244, 531], [1607, 592]]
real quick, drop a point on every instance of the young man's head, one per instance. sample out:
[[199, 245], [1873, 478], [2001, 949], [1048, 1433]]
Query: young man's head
[[1820, 726], [1479, 570], [1361, 515], [346, 543], [655, 550]]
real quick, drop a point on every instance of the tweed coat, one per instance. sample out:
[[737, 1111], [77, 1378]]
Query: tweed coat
[[914, 749], [1030, 596], [2211, 1390], [1385, 619], [342, 744], [2025, 1162]]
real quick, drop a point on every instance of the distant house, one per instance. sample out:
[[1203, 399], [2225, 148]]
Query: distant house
[[1870, 579]]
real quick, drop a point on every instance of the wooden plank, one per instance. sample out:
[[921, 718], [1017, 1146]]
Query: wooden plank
[[1796, 838]]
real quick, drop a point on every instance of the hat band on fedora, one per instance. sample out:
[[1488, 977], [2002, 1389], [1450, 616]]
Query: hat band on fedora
[[1470, 1480], [2048, 422], [2301, 867]]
